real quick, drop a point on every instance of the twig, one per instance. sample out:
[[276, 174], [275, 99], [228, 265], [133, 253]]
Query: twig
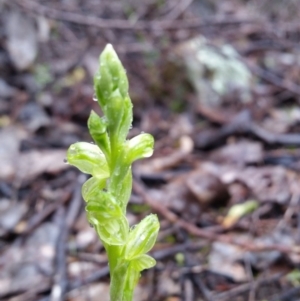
[[38, 218], [209, 235], [60, 278], [76, 202], [92, 278], [123, 24], [31, 293], [275, 80], [226, 296], [66, 221], [287, 295], [241, 125], [178, 9], [207, 294], [90, 257], [160, 254], [189, 294]]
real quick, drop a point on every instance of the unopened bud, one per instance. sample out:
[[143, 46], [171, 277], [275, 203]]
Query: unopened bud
[[142, 238]]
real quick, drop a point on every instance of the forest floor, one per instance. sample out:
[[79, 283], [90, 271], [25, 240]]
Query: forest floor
[[217, 83]]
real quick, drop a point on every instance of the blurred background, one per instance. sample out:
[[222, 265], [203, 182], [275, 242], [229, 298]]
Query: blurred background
[[217, 83]]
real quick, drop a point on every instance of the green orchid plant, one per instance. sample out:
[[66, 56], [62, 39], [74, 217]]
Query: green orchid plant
[[107, 192]]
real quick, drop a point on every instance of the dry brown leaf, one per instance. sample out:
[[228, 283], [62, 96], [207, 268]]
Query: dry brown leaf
[[34, 163]]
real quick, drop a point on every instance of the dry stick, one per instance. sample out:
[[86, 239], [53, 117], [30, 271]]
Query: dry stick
[[207, 294], [287, 295], [76, 203], [33, 292], [91, 278], [242, 124], [60, 277], [38, 218], [160, 254], [123, 24], [189, 294], [226, 296], [275, 80], [194, 277], [66, 222], [178, 9], [210, 236]]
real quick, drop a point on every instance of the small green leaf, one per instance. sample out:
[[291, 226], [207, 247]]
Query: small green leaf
[[126, 119], [294, 277], [143, 262], [103, 86], [91, 187], [139, 147], [114, 113], [242, 209], [142, 238], [88, 158], [239, 210], [124, 192]]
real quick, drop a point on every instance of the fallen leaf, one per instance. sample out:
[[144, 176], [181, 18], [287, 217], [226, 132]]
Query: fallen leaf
[[34, 163], [27, 267], [225, 259], [12, 215], [241, 153], [10, 138]]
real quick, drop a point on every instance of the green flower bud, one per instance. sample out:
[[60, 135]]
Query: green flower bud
[[142, 262], [91, 187], [139, 147], [88, 158], [106, 216], [103, 86], [97, 128], [142, 237], [103, 205], [113, 231], [110, 60], [111, 77]]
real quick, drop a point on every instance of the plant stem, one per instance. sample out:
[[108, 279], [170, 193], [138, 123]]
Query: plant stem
[[113, 253]]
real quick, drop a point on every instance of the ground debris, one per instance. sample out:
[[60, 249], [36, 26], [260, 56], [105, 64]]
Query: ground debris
[[226, 137]]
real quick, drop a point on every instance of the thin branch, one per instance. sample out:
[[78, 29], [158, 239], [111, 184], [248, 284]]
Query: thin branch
[[228, 295], [178, 9], [51, 13]]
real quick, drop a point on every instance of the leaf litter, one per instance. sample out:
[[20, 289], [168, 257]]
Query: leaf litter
[[226, 137]]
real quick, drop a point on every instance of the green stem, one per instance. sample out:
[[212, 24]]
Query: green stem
[[113, 253], [132, 277], [117, 282]]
